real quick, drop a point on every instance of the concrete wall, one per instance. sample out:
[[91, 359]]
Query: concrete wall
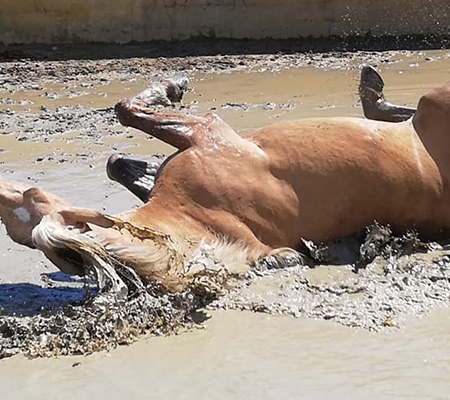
[[57, 21]]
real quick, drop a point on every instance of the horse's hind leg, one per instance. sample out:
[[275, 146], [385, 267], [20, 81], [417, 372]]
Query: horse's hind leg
[[373, 102]]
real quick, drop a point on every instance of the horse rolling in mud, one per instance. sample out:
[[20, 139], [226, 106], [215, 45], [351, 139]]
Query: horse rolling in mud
[[223, 199]]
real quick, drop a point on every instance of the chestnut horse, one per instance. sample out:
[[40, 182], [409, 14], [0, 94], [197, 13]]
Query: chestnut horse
[[231, 200]]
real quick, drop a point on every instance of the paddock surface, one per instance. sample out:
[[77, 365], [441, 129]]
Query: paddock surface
[[382, 333]]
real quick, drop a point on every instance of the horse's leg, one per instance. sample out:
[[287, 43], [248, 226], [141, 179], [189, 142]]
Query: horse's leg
[[373, 102], [141, 112], [171, 127]]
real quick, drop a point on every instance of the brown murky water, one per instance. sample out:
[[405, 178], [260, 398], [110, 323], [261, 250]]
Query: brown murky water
[[240, 355], [251, 356]]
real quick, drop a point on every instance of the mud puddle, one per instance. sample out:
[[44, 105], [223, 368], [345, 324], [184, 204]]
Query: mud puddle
[[283, 356], [251, 355], [51, 116]]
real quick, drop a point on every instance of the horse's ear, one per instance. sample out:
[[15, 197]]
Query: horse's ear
[[75, 216]]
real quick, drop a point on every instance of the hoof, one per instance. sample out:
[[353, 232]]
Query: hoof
[[283, 257], [373, 102], [370, 81], [137, 176]]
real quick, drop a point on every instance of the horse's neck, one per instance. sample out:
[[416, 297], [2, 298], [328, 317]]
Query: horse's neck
[[168, 219]]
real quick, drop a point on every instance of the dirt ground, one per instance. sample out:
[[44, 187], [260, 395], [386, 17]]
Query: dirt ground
[[56, 119]]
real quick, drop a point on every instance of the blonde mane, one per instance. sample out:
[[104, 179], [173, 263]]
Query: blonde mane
[[173, 262]]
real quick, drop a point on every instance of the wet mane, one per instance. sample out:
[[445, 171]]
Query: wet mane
[[172, 262]]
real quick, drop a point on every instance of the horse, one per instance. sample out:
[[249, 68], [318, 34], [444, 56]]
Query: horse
[[231, 200]]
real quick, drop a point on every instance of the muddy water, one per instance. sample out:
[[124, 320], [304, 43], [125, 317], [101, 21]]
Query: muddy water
[[245, 100], [240, 354], [251, 356]]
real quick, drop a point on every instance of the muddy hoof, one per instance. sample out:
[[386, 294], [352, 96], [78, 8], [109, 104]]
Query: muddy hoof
[[370, 80], [176, 86], [137, 176], [163, 93], [373, 102]]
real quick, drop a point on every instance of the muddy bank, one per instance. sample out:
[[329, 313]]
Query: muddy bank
[[29, 69], [69, 102], [63, 321], [378, 297]]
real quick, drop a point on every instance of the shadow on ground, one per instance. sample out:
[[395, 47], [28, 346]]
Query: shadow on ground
[[205, 46], [26, 299]]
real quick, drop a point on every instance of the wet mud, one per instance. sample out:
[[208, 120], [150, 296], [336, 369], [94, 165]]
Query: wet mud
[[374, 283], [61, 321], [57, 128]]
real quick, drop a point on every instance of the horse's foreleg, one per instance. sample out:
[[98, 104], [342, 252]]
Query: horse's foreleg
[[141, 112]]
